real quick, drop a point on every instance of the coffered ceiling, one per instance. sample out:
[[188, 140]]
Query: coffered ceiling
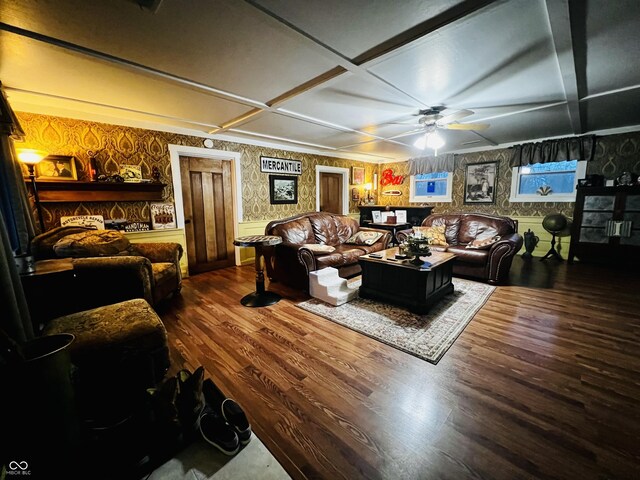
[[344, 77]]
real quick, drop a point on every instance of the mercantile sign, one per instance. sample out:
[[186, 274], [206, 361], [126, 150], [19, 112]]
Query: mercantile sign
[[280, 165]]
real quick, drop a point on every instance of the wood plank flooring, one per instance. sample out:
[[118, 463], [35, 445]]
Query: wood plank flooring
[[543, 383]]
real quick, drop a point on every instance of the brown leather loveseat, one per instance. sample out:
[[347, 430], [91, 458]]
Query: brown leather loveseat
[[304, 235], [491, 262]]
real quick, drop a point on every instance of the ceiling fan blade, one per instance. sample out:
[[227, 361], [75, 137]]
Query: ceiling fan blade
[[452, 117], [465, 126]]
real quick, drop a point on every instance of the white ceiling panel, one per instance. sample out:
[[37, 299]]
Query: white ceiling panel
[[64, 76], [385, 149], [228, 44], [538, 124], [612, 43], [613, 111], [500, 55], [281, 126], [352, 28], [352, 100]]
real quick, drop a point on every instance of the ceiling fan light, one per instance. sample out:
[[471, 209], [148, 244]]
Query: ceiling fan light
[[434, 141], [421, 142]]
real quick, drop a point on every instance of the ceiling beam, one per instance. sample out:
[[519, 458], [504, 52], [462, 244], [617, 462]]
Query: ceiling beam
[[573, 74]]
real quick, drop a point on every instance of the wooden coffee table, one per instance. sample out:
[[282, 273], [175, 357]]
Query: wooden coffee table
[[402, 283]]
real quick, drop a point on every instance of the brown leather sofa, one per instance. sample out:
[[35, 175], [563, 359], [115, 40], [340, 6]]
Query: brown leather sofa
[[492, 264], [290, 262]]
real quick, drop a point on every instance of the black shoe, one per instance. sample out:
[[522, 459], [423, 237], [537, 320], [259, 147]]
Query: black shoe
[[229, 409], [218, 433], [190, 400]]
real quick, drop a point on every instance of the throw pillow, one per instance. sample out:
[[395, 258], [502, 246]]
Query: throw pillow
[[483, 243], [364, 238], [319, 249], [92, 243], [436, 234]]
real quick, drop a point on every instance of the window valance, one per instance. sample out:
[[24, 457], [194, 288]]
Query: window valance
[[576, 148], [441, 163]]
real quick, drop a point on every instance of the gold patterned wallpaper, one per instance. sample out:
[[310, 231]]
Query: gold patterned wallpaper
[[117, 145], [614, 155]]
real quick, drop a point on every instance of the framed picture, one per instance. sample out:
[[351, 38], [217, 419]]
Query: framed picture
[[355, 194], [57, 167], [357, 175], [163, 215], [131, 173], [283, 189], [376, 215], [480, 182]]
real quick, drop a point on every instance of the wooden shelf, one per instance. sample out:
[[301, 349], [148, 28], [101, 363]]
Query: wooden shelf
[[74, 191]]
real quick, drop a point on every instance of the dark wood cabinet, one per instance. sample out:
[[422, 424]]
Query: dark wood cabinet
[[606, 225], [415, 214]]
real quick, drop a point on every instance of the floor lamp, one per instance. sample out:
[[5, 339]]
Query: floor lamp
[[30, 158]]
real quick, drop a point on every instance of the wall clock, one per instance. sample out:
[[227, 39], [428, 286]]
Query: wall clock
[[208, 143]]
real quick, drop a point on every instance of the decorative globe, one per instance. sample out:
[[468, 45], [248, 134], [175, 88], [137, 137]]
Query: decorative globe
[[556, 222]]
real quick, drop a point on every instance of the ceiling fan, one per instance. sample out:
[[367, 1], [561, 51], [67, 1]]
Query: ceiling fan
[[432, 119]]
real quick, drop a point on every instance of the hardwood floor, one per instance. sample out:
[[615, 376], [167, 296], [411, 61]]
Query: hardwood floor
[[543, 383]]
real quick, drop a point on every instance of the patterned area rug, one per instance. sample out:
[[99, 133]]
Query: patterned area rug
[[426, 336]]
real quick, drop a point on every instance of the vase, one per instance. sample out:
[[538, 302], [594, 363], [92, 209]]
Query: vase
[[530, 242]]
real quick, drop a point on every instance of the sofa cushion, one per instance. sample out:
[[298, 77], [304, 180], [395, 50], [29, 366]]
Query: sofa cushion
[[92, 243], [467, 255], [319, 249], [350, 253], [484, 243], [451, 224], [364, 238], [435, 234], [334, 259], [163, 271], [324, 229], [296, 231]]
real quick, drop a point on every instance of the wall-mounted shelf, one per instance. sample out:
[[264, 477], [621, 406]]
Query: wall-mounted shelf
[[76, 191]]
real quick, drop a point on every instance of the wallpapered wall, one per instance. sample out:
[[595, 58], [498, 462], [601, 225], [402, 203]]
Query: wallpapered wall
[[614, 155], [119, 145], [134, 146]]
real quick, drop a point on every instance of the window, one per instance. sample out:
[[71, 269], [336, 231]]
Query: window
[[431, 187], [547, 182]]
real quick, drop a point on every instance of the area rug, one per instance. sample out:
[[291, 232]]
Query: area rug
[[426, 336]]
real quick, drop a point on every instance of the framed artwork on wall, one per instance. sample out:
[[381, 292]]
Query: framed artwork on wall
[[357, 175], [480, 181], [163, 215], [57, 167], [283, 189], [355, 194]]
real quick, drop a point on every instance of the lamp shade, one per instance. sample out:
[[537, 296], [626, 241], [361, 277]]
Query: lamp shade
[[30, 156], [434, 141]]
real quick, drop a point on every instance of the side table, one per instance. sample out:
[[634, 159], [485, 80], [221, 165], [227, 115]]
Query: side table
[[392, 227], [49, 290], [261, 297]]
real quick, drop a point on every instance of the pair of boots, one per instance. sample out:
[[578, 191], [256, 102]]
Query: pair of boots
[[187, 404]]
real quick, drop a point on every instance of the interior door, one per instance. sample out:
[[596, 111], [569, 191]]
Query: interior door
[[331, 192], [208, 212]]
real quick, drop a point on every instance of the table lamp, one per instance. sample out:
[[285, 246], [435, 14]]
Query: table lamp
[[30, 158], [367, 188]]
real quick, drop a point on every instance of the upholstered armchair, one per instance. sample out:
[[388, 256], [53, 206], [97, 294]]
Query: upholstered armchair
[[109, 268]]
